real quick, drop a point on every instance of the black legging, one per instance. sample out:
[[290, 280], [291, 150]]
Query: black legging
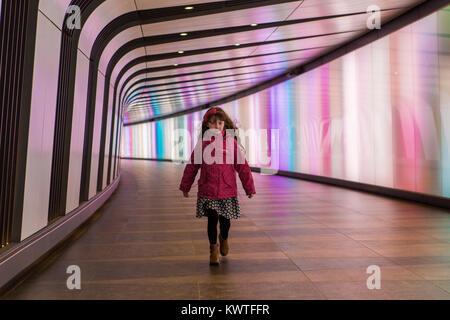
[[213, 217]]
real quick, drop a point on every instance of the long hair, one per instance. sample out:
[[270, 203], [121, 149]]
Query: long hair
[[223, 116]]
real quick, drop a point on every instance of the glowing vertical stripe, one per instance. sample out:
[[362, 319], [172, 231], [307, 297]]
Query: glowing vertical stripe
[[351, 125], [139, 136], [290, 121], [444, 98], [284, 105], [256, 111], [155, 140], [364, 115], [127, 143], [187, 138], [382, 114], [313, 121], [403, 93], [303, 121], [324, 125], [273, 123], [131, 143], [145, 140]]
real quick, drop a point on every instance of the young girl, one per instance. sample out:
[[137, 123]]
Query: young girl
[[217, 188]]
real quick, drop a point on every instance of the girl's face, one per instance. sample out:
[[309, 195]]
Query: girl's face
[[215, 123]]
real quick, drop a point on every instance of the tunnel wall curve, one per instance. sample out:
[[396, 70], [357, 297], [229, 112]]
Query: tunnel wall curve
[[377, 116], [44, 132]]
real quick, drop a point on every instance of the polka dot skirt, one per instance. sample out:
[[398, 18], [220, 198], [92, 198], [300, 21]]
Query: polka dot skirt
[[229, 207]]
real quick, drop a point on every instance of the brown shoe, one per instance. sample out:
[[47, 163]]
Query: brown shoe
[[214, 254], [223, 246]]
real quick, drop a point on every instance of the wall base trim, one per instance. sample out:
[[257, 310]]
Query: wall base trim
[[432, 200], [16, 260]]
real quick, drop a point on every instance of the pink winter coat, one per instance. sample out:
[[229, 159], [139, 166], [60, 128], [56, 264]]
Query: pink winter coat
[[218, 180]]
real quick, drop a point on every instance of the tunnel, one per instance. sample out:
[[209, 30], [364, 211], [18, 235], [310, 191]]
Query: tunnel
[[335, 116]]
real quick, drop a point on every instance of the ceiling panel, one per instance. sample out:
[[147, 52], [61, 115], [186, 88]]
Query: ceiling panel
[[205, 95], [213, 42], [55, 10], [173, 88], [116, 43], [223, 20], [278, 67], [149, 4], [185, 93], [308, 45], [334, 7], [213, 56], [105, 13], [341, 24], [124, 61]]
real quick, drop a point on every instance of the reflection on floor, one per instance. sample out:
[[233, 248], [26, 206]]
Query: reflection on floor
[[295, 240]]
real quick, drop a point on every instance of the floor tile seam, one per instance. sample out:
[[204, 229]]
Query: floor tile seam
[[387, 258], [296, 266], [156, 258]]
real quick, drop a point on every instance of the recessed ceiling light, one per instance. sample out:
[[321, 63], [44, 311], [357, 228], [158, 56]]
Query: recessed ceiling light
[[180, 51], [254, 24], [183, 34], [189, 8], [237, 44]]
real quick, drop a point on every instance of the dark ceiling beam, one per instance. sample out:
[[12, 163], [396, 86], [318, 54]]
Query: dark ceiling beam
[[175, 103], [196, 95], [201, 63], [156, 93], [175, 37], [158, 97], [171, 55], [144, 91], [198, 73], [186, 94], [165, 56]]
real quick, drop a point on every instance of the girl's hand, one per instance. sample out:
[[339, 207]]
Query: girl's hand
[[250, 196], [186, 194]]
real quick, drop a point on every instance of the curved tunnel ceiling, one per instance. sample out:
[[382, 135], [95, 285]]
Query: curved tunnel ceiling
[[163, 57]]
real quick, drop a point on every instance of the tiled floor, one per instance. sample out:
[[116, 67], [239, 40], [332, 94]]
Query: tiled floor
[[295, 240]]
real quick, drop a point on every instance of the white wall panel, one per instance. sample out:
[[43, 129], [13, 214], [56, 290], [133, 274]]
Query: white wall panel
[[113, 141], [55, 10], [127, 58], [119, 134], [103, 14], [42, 122], [116, 43], [108, 137], [77, 139], [96, 135]]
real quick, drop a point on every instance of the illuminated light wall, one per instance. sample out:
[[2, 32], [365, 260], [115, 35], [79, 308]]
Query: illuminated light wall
[[444, 96], [379, 115]]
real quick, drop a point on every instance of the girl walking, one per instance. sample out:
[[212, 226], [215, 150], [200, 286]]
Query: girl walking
[[217, 188]]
